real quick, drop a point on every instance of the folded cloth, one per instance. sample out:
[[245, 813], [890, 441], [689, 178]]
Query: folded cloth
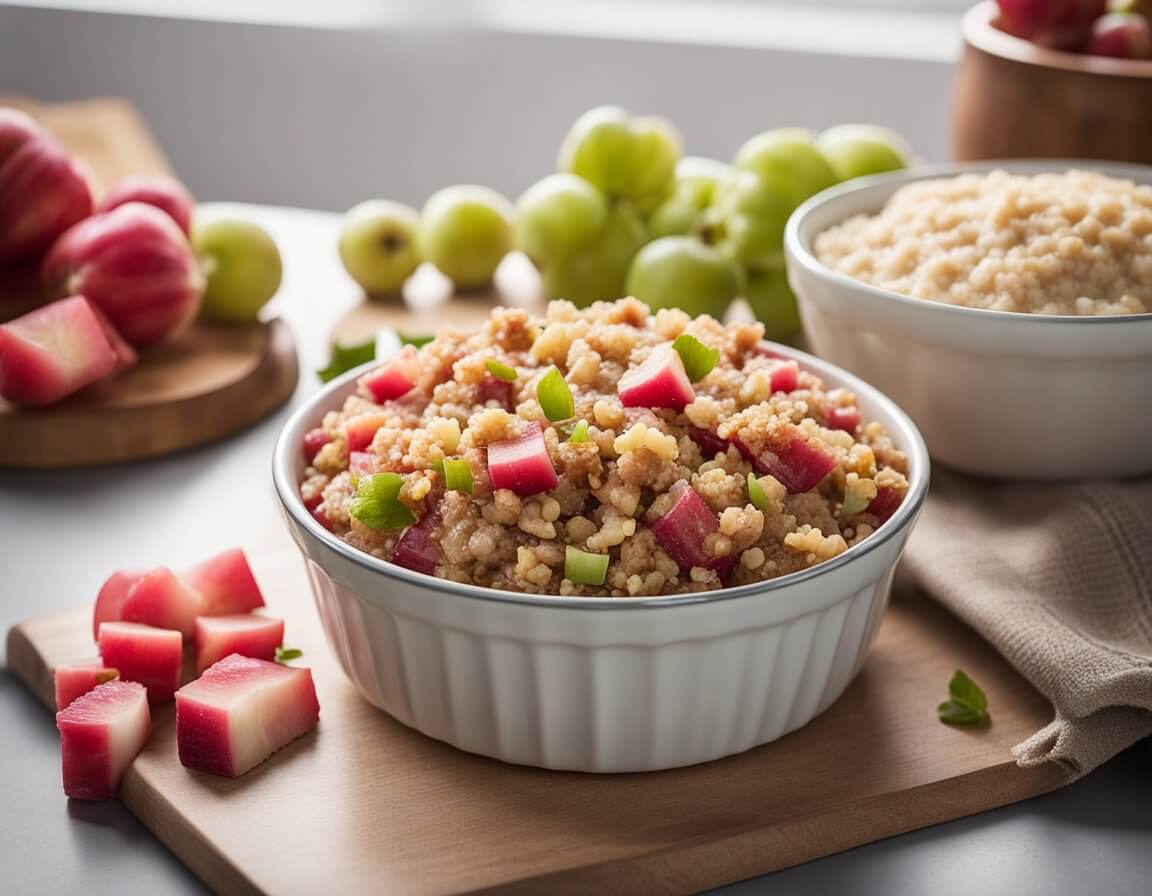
[[1059, 579]]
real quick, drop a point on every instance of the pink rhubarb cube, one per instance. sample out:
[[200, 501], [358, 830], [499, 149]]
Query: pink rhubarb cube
[[150, 656], [241, 711], [522, 464], [77, 679], [113, 593], [245, 634], [100, 734], [162, 600], [225, 583]]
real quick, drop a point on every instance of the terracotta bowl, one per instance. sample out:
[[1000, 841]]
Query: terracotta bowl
[[1014, 99]]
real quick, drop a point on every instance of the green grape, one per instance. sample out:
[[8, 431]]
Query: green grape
[[857, 150], [242, 265], [696, 182], [748, 216], [683, 272], [773, 303], [557, 215], [788, 154], [378, 245], [466, 231], [625, 157], [598, 270]]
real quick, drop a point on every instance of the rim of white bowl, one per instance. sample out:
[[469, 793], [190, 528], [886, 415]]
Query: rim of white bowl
[[798, 238], [309, 413]]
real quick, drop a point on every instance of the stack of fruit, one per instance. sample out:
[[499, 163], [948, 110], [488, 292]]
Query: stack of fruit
[[117, 276], [1119, 28], [626, 214]]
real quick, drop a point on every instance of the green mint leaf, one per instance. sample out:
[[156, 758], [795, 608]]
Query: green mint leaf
[[345, 357], [284, 654], [968, 706], [697, 357], [377, 504]]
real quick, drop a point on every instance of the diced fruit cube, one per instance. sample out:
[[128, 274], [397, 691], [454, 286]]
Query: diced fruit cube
[[710, 443], [785, 376], [150, 656], [522, 464], [887, 500], [113, 594], [359, 431], [660, 382], [493, 389], [314, 440], [100, 734], [160, 599], [226, 583], [798, 464], [53, 351], [392, 379], [847, 418], [682, 530], [418, 548], [245, 634], [240, 711], [77, 679]]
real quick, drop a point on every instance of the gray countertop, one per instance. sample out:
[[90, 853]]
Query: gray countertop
[[61, 532]]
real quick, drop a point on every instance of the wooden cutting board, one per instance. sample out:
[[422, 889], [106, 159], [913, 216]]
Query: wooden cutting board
[[365, 805], [207, 383]]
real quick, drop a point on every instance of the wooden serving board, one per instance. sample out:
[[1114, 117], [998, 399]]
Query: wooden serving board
[[207, 383], [365, 805]]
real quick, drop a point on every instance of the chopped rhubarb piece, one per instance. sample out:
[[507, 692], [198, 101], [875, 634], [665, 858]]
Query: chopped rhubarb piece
[[158, 598], [886, 501], [314, 500], [226, 583], [100, 734], [72, 681], [418, 548], [321, 517], [361, 463], [394, 378], [785, 376], [682, 530], [241, 711], [846, 419], [245, 634], [314, 440], [493, 389], [660, 382], [360, 430], [145, 654], [522, 464], [710, 443], [53, 351], [795, 462], [113, 594]]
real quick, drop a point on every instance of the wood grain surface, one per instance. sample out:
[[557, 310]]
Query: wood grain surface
[[365, 805], [206, 383]]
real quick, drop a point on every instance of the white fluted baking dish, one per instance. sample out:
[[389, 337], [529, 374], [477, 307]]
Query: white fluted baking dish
[[601, 684]]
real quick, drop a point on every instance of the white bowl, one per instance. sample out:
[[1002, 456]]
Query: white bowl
[[1025, 396], [601, 684]]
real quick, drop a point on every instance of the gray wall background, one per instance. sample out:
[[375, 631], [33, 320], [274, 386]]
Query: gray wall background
[[323, 118]]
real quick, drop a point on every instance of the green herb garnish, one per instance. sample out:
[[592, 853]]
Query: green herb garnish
[[697, 357], [756, 493], [501, 371], [377, 503], [284, 654], [968, 706], [457, 475], [554, 396], [345, 357], [579, 432], [583, 567]]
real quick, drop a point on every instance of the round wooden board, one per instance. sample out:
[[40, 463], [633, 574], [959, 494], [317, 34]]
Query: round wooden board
[[206, 383]]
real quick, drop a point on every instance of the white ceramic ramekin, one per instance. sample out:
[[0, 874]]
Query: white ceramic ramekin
[[1022, 396], [601, 684]]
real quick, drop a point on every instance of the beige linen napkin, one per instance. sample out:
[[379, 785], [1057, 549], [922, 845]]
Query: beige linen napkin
[[1059, 579]]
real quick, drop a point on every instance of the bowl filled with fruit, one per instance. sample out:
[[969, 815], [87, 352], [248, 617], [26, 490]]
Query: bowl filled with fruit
[[1065, 79]]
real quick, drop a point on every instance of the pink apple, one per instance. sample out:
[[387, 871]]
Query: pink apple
[[165, 193], [136, 265]]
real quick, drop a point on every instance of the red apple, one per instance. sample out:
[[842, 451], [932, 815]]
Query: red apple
[[43, 192], [1057, 24], [100, 734], [78, 679], [165, 193], [245, 634], [150, 656], [52, 351], [241, 711], [136, 265]]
